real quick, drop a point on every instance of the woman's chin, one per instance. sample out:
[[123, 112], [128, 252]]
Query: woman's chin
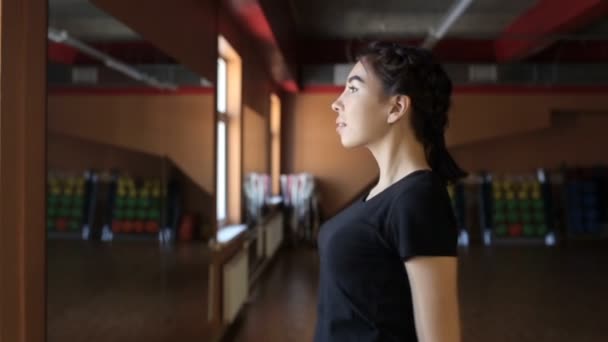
[[346, 143]]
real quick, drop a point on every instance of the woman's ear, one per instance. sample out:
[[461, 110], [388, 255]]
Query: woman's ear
[[400, 104]]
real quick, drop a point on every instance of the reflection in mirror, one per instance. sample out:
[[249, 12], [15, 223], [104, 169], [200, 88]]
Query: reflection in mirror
[[129, 206]]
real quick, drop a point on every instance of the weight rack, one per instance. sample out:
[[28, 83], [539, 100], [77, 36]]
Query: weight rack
[[517, 209]]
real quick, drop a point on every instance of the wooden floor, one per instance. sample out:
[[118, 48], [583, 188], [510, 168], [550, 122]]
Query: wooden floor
[[283, 303], [139, 293], [128, 291], [507, 294]]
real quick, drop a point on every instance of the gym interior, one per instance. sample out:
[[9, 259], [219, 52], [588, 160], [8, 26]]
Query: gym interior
[[166, 166]]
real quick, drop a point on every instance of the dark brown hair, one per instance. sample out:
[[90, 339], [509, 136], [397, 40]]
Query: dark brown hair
[[414, 72]]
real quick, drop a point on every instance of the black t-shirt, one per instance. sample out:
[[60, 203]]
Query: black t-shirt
[[364, 290]]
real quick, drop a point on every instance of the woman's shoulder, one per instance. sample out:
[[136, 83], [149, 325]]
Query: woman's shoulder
[[423, 183], [424, 189]]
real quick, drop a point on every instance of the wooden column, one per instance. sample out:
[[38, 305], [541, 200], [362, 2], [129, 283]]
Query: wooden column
[[23, 30]]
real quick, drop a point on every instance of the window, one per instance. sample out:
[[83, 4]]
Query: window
[[229, 187], [221, 140], [275, 142]]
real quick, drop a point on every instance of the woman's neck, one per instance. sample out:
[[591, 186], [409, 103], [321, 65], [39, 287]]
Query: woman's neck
[[397, 155]]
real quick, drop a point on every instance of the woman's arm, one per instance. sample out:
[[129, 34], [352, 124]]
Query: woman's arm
[[434, 284]]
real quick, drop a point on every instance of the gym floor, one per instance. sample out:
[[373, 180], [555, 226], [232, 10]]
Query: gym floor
[[508, 293], [136, 292], [126, 292]]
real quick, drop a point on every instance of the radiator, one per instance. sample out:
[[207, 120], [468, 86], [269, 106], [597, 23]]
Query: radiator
[[273, 235], [235, 284]]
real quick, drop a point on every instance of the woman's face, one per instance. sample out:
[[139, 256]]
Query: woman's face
[[362, 109]]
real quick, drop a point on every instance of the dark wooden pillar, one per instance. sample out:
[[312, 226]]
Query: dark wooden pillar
[[23, 30]]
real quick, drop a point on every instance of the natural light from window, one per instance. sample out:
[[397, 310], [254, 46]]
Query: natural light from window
[[221, 140]]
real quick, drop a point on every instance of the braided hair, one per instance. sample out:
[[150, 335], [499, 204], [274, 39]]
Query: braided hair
[[413, 72]]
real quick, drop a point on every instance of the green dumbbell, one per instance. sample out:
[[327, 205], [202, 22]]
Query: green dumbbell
[[539, 217], [142, 214], [53, 200], [501, 230], [499, 217], [526, 217], [76, 213], [120, 202], [155, 203], [513, 217], [130, 214], [140, 203], [119, 214], [52, 212], [529, 229], [74, 225], [154, 214], [50, 224], [78, 202], [499, 205], [64, 212], [66, 200], [512, 204]]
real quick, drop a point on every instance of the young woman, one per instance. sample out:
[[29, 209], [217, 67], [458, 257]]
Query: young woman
[[389, 261]]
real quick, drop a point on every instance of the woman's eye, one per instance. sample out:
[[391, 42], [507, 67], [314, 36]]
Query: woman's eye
[[352, 89]]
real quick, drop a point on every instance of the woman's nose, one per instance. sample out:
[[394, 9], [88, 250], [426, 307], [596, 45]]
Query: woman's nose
[[335, 106]]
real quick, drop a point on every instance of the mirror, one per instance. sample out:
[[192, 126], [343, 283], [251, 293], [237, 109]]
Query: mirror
[[130, 205]]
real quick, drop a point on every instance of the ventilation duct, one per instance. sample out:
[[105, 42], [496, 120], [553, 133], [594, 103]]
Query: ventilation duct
[[61, 36], [446, 22]]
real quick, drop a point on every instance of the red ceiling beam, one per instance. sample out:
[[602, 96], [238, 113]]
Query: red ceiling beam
[[448, 51], [132, 52], [62, 54], [591, 51], [268, 24], [126, 91], [537, 28], [283, 26]]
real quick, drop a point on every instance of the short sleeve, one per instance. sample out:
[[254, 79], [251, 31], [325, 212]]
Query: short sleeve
[[421, 223]]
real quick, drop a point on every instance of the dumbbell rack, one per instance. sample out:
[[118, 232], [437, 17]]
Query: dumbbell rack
[[584, 202], [70, 206], [517, 210], [135, 210]]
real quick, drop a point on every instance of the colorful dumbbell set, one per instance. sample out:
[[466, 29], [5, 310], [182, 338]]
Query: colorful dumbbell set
[[65, 203], [137, 206], [518, 209]]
